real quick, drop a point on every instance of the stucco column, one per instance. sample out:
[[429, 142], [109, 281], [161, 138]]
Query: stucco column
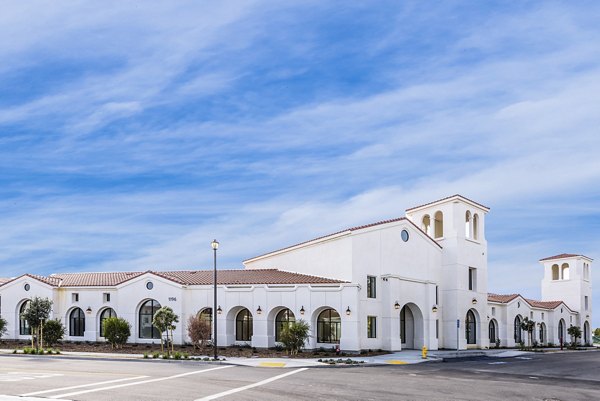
[[260, 338]]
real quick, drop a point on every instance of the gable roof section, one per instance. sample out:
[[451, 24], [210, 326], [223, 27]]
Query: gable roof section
[[348, 231], [102, 279], [564, 256], [4, 280], [54, 282], [457, 196], [505, 299]]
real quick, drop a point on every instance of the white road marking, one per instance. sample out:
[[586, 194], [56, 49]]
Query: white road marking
[[249, 386], [496, 363], [140, 382], [20, 376], [523, 357], [54, 390]]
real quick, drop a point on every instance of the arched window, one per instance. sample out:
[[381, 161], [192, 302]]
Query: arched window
[[565, 271], [468, 224], [205, 316], [471, 328], [492, 331], [76, 323], [439, 224], [146, 314], [283, 319], [329, 327], [517, 329], [561, 331], [243, 325], [24, 328], [106, 313], [426, 224], [542, 333], [555, 272], [476, 227]]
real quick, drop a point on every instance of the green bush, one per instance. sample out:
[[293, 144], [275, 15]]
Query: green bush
[[177, 355], [155, 355], [54, 332], [294, 335], [117, 331], [3, 324]]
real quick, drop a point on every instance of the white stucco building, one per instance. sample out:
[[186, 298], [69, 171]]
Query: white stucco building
[[418, 280]]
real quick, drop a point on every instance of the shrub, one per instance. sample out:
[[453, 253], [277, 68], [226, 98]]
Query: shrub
[[155, 355], [294, 335], [198, 330], [117, 331], [54, 332], [146, 356], [3, 324], [177, 355]]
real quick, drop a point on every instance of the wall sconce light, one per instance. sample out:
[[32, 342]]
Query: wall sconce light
[[348, 311], [302, 310], [219, 310], [259, 311], [89, 309], [474, 301], [434, 309], [396, 305]]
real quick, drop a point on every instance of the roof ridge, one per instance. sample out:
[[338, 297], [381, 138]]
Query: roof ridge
[[447, 198]]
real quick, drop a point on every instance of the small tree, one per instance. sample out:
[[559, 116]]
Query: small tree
[[198, 330], [116, 331], [294, 335], [528, 326], [164, 320], [36, 314], [597, 332], [575, 333], [54, 331], [3, 324]]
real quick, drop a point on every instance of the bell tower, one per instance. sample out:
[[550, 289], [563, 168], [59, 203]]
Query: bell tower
[[458, 225], [568, 278]]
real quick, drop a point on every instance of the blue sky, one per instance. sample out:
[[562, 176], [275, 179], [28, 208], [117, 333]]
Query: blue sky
[[133, 134]]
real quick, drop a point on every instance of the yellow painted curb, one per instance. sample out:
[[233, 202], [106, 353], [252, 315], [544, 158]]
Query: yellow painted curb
[[394, 362], [272, 364]]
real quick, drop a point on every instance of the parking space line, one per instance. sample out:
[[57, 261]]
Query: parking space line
[[249, 386], [54, 390], [140, 382]]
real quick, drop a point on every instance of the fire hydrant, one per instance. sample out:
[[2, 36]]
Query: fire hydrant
[[424, 352]]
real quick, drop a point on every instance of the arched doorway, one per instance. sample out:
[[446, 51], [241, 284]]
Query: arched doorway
[[493, 330], [561, 331], [243, 325], [586, 333], [411, 327], [24, 328], [542, 333], [471, 328]]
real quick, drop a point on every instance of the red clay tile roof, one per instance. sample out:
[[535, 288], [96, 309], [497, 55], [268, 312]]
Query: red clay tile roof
[[532, 302], [249, 276], [562, 256], [348, 230], [449, 197], [94, 279], [501, 298], [187, 277], [544, 304]]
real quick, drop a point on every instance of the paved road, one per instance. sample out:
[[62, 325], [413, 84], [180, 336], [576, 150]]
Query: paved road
[[567, 376]]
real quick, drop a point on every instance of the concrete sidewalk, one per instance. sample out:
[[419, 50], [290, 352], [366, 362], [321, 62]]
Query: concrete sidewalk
[[405, 357]]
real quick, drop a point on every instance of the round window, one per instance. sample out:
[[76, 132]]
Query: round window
[[149, 285], [27, 287], [404, 235]]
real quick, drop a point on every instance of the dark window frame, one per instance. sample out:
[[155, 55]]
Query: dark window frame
[[154, 306], [371, 326], [329, 327], [77, 323], [371, 287], [285, 317], [243, 325]]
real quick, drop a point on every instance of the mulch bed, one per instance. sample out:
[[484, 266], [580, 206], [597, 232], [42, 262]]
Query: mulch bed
[[234, 351]]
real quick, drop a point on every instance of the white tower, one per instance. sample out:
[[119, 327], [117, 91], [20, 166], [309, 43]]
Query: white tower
[[458, 225], [568, 278]]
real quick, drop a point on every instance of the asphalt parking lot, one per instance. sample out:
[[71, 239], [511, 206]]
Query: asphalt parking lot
[[559, 376]]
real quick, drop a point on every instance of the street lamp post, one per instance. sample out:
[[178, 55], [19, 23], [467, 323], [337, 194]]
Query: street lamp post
[[215, 246]]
